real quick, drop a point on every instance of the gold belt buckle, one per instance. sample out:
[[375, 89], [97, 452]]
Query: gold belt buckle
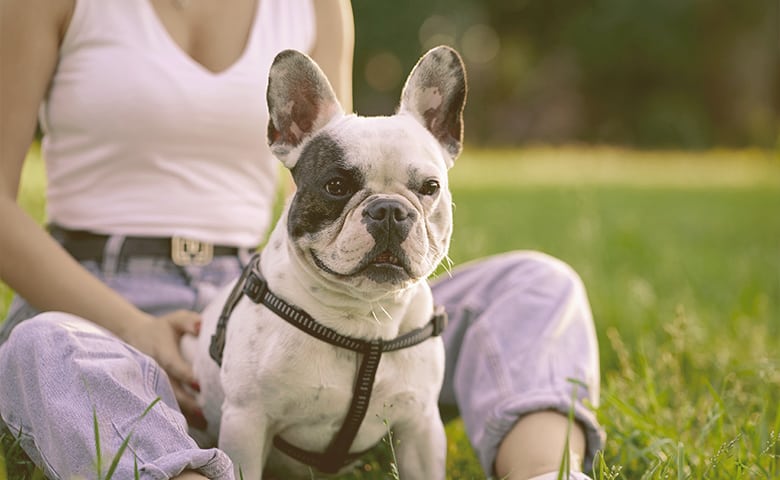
[[186, 252]]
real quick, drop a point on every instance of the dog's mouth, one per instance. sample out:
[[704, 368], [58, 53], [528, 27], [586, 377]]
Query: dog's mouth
[[383, 267], [386, 267], [386, 258]]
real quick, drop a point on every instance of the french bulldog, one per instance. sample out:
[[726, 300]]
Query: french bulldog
[[369, 222]]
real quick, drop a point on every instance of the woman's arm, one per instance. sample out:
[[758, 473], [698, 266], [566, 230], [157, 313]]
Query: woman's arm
[[334, 46], [31, 262]]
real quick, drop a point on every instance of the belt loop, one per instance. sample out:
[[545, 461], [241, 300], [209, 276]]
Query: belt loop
[[112, 254]]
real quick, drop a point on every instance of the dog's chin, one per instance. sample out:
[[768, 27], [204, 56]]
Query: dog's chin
[[384, 269]]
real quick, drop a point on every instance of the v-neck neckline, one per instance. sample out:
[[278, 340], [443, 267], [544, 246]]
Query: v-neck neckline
[[182, 53]]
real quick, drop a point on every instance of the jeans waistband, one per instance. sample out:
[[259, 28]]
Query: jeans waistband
[[84, 245]]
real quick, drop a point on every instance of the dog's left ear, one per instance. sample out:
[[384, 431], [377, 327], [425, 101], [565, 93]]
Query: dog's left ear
[[435, 94], [300, 102]]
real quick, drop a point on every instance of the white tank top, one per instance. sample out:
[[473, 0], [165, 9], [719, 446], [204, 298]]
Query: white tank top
[[140, 139]]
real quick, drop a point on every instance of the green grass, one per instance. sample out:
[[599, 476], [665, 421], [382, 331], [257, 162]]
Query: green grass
[[680, 254]]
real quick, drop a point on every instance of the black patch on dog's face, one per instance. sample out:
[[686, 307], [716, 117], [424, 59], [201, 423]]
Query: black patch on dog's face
[[324, 182]]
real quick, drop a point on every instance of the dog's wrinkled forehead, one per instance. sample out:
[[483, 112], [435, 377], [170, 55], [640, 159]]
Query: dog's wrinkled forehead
[[377, 149], [388, 146]]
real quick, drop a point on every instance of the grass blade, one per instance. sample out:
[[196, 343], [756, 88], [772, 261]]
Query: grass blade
[[115, 462], [98, 454]]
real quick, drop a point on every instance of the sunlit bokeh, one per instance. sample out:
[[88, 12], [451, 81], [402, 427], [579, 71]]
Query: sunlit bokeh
[[383, 71], [480, 44], [437, 30]]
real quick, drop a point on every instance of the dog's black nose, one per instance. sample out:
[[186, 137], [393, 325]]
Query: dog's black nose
[[384, 209], [389, 216]]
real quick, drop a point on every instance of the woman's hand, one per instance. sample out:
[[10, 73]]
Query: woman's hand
[[159, 338]]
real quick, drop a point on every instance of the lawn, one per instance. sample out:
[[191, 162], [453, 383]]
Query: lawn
[[680, 253]]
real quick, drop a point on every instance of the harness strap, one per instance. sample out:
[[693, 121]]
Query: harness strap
[[337, 453], [313, 459], [256, 288], [217, 345]]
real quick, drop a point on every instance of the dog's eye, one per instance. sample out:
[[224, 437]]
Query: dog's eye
[[338, 187], [430, 187]]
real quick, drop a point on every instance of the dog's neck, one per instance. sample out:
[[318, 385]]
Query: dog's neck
[[291, 278]]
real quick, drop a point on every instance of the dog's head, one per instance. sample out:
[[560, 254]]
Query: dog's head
[[372, 209]]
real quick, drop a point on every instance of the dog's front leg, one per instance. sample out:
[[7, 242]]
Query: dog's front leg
[[243, 436], [421, 447]]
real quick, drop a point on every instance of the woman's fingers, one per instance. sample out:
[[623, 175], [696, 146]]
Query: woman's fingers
[[184, 321], [160, 338], [179, 371]]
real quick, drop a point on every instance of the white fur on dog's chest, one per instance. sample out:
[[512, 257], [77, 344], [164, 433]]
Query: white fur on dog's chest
[[306, 385], [313, 379], [312, 407]]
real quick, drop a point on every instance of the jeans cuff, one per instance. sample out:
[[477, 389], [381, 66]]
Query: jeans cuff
[[212, 463], [507, 413]]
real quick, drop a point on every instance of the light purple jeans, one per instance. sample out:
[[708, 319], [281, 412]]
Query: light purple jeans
[[520, 328]]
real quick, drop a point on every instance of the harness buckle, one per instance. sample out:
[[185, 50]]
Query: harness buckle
[[187, 251], [439, 320], [255, 287]]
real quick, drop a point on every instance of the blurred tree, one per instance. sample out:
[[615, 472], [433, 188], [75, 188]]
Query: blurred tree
[[659, 73]]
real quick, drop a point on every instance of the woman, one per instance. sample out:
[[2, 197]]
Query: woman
[[153, 116]]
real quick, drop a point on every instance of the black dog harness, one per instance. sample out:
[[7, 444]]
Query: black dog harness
[[336, 456]]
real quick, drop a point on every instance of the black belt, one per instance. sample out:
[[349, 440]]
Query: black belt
[[84, 245]]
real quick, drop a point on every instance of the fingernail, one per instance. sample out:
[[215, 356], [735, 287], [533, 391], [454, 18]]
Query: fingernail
[[197, 327], [195, 386]]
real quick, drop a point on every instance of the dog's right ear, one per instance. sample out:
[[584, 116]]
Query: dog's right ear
[[300, 102]]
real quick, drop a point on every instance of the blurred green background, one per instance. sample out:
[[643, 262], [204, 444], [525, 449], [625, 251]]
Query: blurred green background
[[657, 73]]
